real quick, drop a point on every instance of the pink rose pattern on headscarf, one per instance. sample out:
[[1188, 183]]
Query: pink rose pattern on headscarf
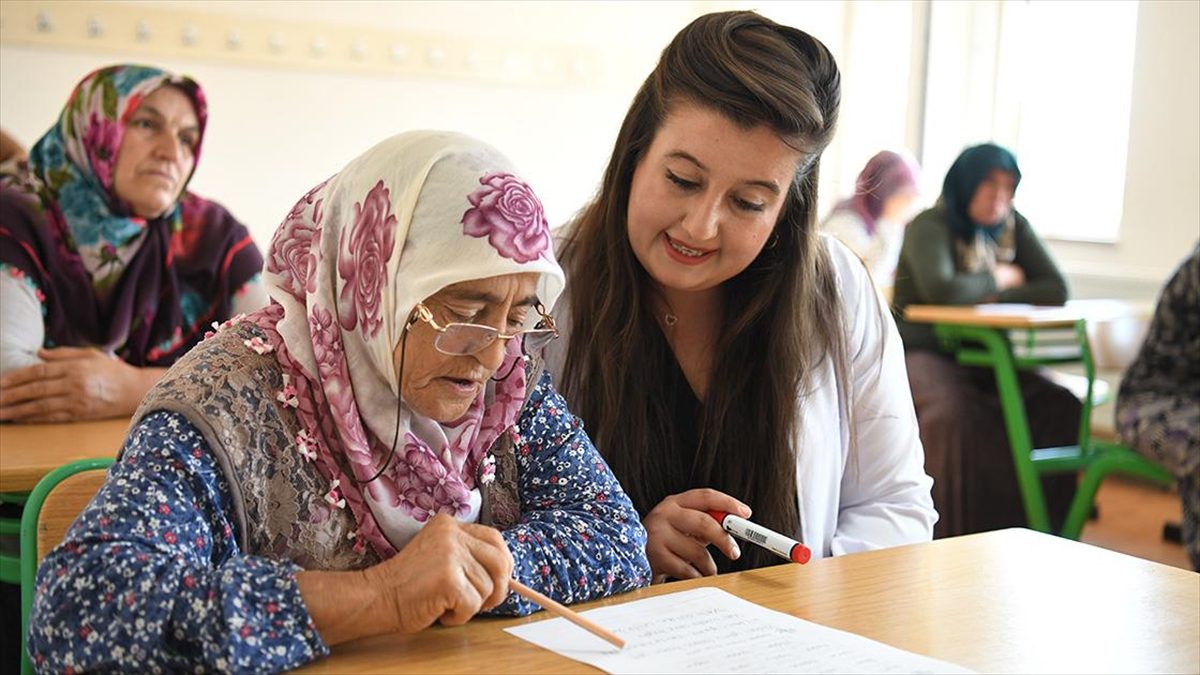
[[419, 481], [102, 140], [507, 212], [370, 248], [293, 248]]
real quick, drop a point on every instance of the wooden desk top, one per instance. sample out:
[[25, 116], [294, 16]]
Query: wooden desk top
[[30, 451], [1008, 315], [1006, 601]]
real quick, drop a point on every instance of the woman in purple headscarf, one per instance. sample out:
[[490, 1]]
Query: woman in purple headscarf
[[871, 222], [109, 269]]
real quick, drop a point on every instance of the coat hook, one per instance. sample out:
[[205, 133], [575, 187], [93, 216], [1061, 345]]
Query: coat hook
[[95, 29], [190, 35], [143, 31], [44, 24]]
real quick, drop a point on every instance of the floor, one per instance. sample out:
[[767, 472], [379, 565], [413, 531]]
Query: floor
[[1131, 518]]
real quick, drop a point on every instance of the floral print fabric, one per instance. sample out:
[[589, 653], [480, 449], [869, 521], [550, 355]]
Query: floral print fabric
[[1158, 405], [150, 577], [507, 212], [347, 266], [113, 280]]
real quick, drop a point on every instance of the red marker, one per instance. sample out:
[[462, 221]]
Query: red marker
[[784, 547]]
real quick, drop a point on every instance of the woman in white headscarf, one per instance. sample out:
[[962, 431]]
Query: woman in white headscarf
[[375, 451]]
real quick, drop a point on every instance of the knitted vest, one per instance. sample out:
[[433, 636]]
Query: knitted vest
[[228, 392]]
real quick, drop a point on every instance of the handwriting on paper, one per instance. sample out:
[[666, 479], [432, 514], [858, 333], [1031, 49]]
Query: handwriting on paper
[[707, 630]]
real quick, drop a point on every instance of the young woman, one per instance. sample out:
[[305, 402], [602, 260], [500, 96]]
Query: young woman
[[723, 354]]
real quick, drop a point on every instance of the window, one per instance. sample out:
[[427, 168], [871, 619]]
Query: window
[[1063, 92]]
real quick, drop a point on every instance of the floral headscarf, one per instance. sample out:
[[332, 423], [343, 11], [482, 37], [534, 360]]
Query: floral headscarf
[[142, 288], [416, 213]]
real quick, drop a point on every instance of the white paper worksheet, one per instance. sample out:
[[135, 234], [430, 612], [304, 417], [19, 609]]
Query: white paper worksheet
[[707, 630]]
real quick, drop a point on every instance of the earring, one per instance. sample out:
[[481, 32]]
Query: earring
[[773, 240]]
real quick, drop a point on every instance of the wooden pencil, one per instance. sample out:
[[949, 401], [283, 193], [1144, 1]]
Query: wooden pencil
[[568, 614]]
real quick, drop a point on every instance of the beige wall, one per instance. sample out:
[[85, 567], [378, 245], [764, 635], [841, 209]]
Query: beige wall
[[274, 132], [282, 122], [1161, 221]]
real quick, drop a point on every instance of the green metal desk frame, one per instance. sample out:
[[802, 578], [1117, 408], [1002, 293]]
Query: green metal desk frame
[[10, 527], [990, 348]]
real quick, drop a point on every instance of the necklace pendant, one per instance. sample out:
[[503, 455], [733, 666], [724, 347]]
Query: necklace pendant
[[670, 319]]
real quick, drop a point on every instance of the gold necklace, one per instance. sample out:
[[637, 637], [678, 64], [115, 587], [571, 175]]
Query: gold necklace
[[670, 319]]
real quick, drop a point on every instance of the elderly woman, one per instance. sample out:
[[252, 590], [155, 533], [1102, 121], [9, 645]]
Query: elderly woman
[[333, 466], [109, 269], [871, 221], [973, 247]]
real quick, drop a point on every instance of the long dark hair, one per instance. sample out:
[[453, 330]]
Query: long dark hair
[[783, 315]]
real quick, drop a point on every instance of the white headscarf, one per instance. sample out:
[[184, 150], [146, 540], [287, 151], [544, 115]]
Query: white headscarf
[[414, 214]]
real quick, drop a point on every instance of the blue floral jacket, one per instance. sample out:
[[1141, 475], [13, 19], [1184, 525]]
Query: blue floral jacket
[[150, 577]]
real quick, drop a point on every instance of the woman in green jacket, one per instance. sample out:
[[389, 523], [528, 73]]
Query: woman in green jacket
[[973, 247]]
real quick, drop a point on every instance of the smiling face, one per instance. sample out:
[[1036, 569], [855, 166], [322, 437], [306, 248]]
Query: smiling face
[[442, 386], [158, 152], [993, 198], [705, 197]]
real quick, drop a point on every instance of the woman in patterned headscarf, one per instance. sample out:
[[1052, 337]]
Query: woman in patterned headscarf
[[871, 221], [327, 468], [973, 247], [109, 269]]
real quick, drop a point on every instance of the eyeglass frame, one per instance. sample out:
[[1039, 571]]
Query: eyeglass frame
[[544, 325]]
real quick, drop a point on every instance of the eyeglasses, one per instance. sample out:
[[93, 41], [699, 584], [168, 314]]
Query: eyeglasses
[[462, 339]]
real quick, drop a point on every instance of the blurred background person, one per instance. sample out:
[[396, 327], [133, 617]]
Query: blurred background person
[[974, 247], [871, 222]]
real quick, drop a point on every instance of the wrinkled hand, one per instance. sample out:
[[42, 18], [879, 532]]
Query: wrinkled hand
[[72, 384], [449, 572], [1008, 275], [679, 531]]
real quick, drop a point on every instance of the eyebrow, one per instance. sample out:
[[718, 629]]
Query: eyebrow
[[157, 113], [768, 184], [477, 296]]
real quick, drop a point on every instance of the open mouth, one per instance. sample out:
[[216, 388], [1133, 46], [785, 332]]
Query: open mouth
[[685, 254], [461, 385]]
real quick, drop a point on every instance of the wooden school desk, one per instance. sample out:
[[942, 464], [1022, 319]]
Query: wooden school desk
[[1006, 601], [978, 335], [30, 451]]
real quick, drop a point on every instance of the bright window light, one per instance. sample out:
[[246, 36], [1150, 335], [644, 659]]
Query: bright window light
[[1070, 75]]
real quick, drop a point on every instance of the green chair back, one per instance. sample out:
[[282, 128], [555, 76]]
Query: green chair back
[[50, 509]]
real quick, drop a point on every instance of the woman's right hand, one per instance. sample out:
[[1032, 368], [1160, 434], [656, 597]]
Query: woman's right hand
[[448, 572], [1008, 276], [679, 531]]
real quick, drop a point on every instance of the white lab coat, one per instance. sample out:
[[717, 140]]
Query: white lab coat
[[877, 495]]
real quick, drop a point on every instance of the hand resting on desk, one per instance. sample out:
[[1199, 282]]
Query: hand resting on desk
[[74, 384]]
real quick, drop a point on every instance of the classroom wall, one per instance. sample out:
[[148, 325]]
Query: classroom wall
[[279, 125], [277, 130], [1161, 220], [281, 122]]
